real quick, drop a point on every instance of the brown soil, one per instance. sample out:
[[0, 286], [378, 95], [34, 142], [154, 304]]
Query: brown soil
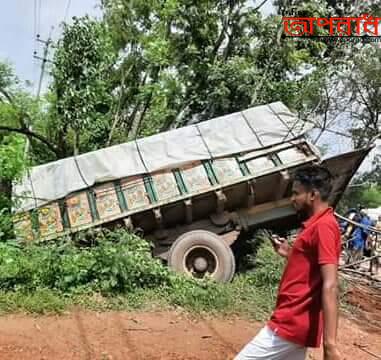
[[367, 301], [156, 335]]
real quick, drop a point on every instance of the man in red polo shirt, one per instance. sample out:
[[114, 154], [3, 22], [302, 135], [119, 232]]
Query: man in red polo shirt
[[307, 305]]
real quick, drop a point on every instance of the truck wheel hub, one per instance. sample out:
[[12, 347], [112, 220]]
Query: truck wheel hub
[[200, 261], [200, 264]]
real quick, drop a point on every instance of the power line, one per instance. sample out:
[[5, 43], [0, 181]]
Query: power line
[[34, 64], [67, 10], [39, 16], [35, 20], [34, 26], [44, 59]]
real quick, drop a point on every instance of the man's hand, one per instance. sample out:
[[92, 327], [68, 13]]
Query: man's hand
[[331, 352], [281, 246]]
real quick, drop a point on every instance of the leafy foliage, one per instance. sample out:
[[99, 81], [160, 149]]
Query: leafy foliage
[[367, 196], [183, 62], [374, 175], [12, 163], [82, 72], [365, 190], [122, 270], [108, 267], [372, 197], [151, 66], [364, 85], [14, 106]]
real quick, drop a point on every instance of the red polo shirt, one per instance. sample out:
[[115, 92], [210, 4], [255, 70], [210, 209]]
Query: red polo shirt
[[298, 313]]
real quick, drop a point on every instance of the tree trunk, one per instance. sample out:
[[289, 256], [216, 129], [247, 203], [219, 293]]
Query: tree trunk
[[5, 191], [134, 132], [6, 230], [137, 120], [76, 142]]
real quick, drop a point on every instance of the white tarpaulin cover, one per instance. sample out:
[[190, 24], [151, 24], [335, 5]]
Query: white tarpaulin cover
[[250, 129]]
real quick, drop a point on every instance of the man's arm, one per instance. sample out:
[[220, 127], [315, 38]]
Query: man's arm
[[330, 310]]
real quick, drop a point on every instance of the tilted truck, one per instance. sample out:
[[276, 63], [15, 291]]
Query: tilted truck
[[191, 191]]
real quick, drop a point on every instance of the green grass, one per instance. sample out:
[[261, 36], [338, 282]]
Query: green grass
[[120, 274], [39, 302], [240, 297]]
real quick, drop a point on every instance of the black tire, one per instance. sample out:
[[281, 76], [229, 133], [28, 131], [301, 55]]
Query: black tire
[[194, 250]]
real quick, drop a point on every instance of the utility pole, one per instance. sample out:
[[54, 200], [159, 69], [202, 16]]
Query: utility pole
[[44, 59]]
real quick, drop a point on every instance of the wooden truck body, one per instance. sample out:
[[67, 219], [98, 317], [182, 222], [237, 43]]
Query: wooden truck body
[[192, 211]]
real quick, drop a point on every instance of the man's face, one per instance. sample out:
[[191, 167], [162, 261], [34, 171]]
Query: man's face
[[301, 198]]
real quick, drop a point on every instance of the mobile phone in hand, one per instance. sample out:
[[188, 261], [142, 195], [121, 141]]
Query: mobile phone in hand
[[276, 239]]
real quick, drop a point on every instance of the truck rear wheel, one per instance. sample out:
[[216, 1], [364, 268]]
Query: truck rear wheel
[[202, 254]]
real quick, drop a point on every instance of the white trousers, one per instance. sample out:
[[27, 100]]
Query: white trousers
[[267, 345]]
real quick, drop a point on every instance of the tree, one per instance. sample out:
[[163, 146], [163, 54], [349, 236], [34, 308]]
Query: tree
[[12, 162], [185, 62], [345, 94], [373, 177], [363, 85], [14, 118], [18, 108], [360, 193], [81, 93]]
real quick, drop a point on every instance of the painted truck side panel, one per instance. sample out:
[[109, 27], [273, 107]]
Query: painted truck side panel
[[129, 197]]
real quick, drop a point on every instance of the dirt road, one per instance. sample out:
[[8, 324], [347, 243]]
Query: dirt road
[[167, 336]]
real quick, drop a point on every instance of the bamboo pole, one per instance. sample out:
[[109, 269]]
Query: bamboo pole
[[359, 262]]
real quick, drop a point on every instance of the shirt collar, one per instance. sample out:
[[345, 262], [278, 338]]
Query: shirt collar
[[317, 216]]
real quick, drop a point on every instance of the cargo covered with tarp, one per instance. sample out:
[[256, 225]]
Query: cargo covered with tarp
[[248, 130]]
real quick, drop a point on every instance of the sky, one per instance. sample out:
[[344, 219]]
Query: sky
[[18, 24]]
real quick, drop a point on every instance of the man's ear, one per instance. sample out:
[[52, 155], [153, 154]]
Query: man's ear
[[317, 195], [314, 194]]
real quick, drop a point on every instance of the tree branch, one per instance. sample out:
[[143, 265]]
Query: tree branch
[[326, 109], [30, 133], [260, 5], [178, 121], [220, 39], [11, 101], [118, 115], [338, 133], [135, 132], [225, 25], [135, 126], [264, 75], [233, 28], [7, 96], [371, 114]]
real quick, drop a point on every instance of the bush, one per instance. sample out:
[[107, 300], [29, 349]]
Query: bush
[[268, 269], [111, 266], [6, 224], [123, 262], [118, 272]]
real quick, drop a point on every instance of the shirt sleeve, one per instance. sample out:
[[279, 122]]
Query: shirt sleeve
[[328, 244]]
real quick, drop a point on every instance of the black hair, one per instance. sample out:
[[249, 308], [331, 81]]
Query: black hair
[[315, 177]]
